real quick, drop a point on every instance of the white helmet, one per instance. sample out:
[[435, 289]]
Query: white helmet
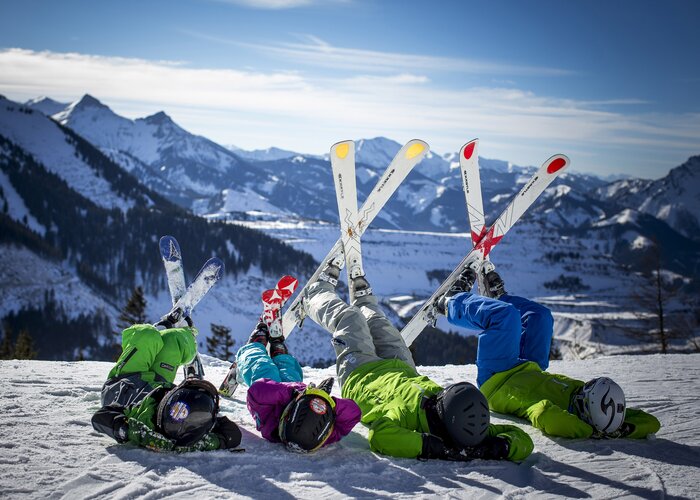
[[601, 404]]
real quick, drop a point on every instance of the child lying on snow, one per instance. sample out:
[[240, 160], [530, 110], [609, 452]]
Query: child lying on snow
[[512, 356]]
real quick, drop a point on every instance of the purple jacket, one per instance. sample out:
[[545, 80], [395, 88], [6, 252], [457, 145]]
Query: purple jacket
[[267, 400]]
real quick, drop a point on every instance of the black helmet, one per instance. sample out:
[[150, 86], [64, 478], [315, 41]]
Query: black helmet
[[307, 421], [464, 413], [188, 412]]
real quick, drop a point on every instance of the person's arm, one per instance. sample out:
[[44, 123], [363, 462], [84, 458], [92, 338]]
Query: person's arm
[[638, 424], [520, 443], [347, 416], [388, 436], [553, 420]]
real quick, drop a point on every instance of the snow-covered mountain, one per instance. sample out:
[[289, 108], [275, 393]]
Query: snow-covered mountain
[[577, 249], [49, 450], [79, 233], [46, 105], [674, 199]]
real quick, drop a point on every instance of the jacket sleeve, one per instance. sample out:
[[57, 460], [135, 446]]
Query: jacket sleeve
[[640, 424], [520, 444], [347, 416], [387, 435], [552, 420]]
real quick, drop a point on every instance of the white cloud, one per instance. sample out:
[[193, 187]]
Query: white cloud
[[316, 52], [293, 111]]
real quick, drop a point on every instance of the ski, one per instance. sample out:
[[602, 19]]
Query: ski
[[343, 164], [273, 301], [185, 299], [408, 157], [172, 261], [210, 273], [427, 315], [471, 182]]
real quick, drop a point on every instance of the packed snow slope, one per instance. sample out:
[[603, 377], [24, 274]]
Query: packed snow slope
[[48, 448]]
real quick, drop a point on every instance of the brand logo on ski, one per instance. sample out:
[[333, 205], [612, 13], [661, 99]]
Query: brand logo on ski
[[388, 176]]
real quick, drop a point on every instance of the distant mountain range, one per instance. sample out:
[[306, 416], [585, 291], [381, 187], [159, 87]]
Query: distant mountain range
[[77, 172]]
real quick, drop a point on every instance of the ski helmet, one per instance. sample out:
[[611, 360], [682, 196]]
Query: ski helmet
[[464, 413], [601, 404], [188, 412], [307, 421]]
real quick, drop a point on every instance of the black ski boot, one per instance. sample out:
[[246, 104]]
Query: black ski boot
[[260, 335], [359, 287], [464, 283], [331, 272], [493, 285], [277, 346]]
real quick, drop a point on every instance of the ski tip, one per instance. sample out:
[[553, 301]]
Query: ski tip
[[219, 264], [342, 149], [415, 148], [557, 163], [169, 248], [468, 149]]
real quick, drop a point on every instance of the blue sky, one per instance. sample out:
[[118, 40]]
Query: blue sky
[[612, 84]]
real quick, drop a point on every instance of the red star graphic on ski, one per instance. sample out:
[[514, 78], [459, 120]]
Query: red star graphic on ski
[[488, 241]]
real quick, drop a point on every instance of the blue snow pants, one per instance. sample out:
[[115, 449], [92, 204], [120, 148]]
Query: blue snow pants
[[255, 363], [513, 330]]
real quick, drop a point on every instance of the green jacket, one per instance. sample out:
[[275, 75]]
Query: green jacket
[[544, 399], [389, 393]]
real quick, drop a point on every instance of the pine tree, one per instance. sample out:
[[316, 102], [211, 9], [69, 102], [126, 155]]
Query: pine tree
[[134, 312], [7, 350], [220, 344], [24, 347]]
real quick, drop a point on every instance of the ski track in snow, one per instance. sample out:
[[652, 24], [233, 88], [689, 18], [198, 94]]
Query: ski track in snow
[[48, 448]]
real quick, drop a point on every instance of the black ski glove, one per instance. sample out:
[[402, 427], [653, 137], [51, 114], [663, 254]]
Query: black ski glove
[[625, 430], [326, 385], [491, 448], [228, 433]]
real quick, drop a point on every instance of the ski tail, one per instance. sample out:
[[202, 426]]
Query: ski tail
[[532, 189], [408, 157]]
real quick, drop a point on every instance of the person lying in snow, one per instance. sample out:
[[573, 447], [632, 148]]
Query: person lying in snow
[[512, 356], [303, 417], [141, 405], [408, 414]]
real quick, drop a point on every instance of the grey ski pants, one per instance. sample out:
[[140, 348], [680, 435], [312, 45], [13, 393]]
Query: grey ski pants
[[361, 332]]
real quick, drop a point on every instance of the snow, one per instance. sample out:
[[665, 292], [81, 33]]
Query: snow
[[17, 210], [48, 447]]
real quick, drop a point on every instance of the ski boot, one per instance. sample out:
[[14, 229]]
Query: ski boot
[[331, 272], [463, 283], [359, 287], [490, 282], [261, 334]]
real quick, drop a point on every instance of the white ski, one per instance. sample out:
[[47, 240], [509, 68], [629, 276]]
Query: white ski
[[427, 315], [343, 164], [408, 157], [471, 182]]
